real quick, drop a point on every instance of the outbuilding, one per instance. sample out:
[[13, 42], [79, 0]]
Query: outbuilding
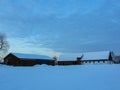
[[69, 59], [97, 57], [88, 57], [21, 59]]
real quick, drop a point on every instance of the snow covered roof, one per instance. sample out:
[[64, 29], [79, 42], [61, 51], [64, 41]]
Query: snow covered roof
[[86, 56], [69, 56], [96, 55], [31, 56]]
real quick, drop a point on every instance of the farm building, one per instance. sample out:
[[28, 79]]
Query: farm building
[[69, 59], [89, 57], [20, 59], [98, 57]]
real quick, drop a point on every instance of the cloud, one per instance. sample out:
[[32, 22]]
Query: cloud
[[21, 45], [55, 26]]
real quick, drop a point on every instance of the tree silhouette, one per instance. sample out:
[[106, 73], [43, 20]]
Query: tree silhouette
[[4, 46]]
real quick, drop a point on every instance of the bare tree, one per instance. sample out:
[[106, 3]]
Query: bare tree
[[55, 58], [4, 46]]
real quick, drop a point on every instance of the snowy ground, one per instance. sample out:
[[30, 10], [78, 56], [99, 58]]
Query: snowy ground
[[81, 77]]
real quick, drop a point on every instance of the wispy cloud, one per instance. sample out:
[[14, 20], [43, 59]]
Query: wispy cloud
[[54, 26], [22, 45]]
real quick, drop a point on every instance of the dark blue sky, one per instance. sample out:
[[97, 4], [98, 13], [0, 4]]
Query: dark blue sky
[[52, 27]]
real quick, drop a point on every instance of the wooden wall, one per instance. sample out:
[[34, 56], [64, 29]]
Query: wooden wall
[[15, 61], [68, 63]]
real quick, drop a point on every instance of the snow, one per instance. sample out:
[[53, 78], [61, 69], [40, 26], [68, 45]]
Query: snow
[[32, 56], [86, 56], [69, 56], [96, 55], [43, 77]]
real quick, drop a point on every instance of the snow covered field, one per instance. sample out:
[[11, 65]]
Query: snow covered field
[[80, 77]]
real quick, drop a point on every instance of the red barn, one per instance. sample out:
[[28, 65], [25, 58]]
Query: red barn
[[20, 59]]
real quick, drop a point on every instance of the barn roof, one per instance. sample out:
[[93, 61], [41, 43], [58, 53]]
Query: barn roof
[[32, 56], [69, 56], [86, 56], [96, 55]]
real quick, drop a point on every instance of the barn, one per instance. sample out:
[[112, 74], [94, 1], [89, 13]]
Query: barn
[[97, 57], [21, 59], [84, 58]]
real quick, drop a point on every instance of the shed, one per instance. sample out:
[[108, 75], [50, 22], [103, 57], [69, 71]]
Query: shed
[[22, 59], [69, 59]]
